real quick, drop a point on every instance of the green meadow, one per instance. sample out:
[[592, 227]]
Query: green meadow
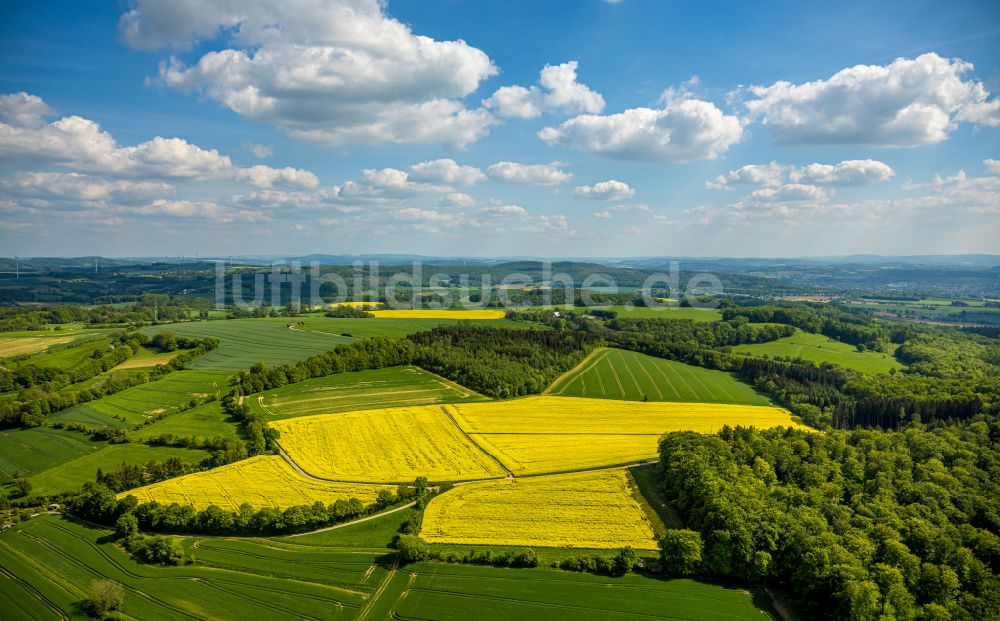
[[72, 474], [610, 373], [819, 348], [28, 451], [164, 396], [379, 388]]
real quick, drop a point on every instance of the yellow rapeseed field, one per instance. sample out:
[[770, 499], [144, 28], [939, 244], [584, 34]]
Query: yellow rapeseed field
[[546, 453], [550, 414], [536, 435], [264, 481], [586, 510], [384, 446], [440, 314]]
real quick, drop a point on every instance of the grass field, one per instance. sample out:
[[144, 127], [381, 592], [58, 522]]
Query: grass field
[[440, 314], [66, 357], [145, 358], [35, 449], [586, 510], [363, 390], [135, 405], [619, 374], [72, 474], [539, 435], [248, 341], [384, 446], [48, 563], [206, 421], [819, 348], [263, 481], [18, 346]]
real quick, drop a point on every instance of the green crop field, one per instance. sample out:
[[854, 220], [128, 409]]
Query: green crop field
[[72, 474], [380, 388], [48, 563], [69, 356], [247, 341], [618, 374], [819, 348], [281, 340], [34, 449], [206, 421], [135, 405]]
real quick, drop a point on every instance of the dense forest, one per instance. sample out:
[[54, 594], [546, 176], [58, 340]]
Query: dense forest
[[500, 362], [864, 524]]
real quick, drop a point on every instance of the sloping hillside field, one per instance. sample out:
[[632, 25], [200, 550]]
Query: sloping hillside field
[[383, 446], [392, 387], [31, 450], [586, 510], [137, 404], [264, 481], [619, 374], [818, 348], [280, 340], [534, 435]]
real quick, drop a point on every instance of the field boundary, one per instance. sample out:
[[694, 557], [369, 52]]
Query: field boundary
[[578, 367], [510, 475], [298, 469]]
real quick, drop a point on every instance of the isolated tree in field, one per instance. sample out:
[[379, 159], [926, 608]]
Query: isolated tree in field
[[680, 552], [105, 596]]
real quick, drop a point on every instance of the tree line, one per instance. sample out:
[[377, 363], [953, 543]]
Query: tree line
[[43, 391], [100, 504]]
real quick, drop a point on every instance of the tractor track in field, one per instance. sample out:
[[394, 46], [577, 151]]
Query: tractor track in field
[[559, 380], [298, 469]]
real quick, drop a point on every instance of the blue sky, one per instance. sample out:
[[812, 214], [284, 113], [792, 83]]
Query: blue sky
[[584, 128]]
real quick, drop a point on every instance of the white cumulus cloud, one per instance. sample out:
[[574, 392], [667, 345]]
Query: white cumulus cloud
[[81, 145], [789, 193], [559, 91], [505, 210], [331, 71], [773, 174], [684, 129], [536, 174], [610, 190], [446, 171], [908, 102]]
